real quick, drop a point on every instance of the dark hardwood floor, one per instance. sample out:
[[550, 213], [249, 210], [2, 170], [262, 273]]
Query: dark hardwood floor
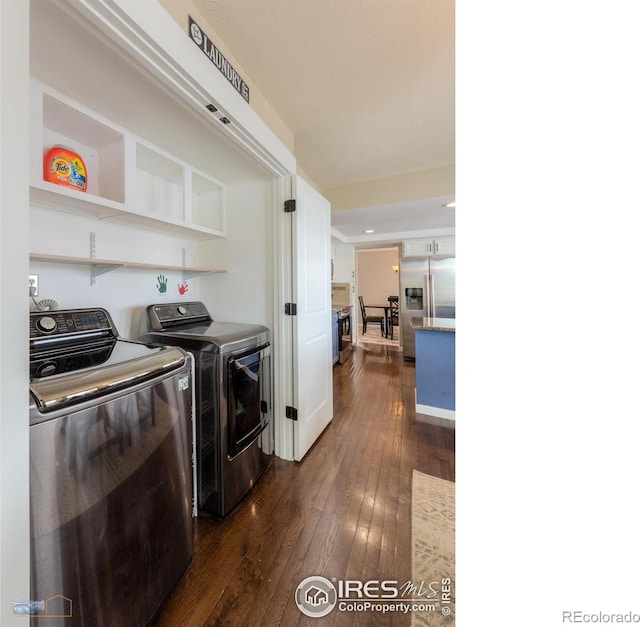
[[344, 512]]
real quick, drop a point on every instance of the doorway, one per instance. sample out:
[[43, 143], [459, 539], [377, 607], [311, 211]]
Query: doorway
[[377, 278]]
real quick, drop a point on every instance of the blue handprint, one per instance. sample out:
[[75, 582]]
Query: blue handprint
[[162, 283]]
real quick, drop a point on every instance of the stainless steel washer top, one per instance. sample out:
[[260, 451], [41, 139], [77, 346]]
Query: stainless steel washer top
[[197, 330], [76, 356]]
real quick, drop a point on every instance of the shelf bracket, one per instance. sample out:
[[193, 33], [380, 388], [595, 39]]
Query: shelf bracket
[[102, 268], [185, 274], [98, 268], [92, 255]]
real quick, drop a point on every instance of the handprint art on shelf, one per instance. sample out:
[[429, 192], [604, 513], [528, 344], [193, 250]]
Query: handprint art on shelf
[[183, 288], [162, 283]]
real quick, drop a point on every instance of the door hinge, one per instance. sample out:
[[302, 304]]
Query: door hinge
[[290, 309], [291, 413], [289, 206]]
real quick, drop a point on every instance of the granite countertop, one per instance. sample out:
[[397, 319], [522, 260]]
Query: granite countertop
[[434, 324]]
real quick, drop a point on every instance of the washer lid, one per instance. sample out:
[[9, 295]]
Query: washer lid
[[217, 337], [133, 364]]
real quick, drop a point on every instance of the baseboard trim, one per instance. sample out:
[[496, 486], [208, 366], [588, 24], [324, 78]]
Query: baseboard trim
[[438, 412]]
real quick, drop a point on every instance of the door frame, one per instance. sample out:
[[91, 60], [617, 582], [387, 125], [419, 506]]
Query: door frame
[[283, 331]]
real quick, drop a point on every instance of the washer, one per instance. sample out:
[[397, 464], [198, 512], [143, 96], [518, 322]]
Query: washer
[[110, 471], [234, 428]]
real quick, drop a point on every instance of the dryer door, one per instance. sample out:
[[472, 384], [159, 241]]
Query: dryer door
[[249, 397]]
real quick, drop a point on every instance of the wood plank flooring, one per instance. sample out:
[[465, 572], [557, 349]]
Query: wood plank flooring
[[343, 512]]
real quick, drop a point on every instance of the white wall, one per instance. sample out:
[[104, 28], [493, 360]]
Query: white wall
[[123, 292], [14, 359], [180, 10], [242, 294], [376, 278], [245, 292]]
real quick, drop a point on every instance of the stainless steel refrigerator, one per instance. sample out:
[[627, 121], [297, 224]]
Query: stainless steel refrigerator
[[427, 290]]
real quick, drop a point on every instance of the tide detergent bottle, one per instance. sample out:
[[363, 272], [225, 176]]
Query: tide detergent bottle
[[64, 167]]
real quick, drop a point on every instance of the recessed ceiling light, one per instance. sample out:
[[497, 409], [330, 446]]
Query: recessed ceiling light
[[369, 231], [450, 205]]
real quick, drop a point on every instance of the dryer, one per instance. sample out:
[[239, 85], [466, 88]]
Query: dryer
[[234, 427]]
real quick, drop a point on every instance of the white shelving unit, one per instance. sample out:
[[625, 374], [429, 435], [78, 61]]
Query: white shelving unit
[[128, 179], [100, 266], [207, 202], [101, 147], [160, 184]]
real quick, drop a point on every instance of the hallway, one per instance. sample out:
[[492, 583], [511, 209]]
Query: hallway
[[343, 512]]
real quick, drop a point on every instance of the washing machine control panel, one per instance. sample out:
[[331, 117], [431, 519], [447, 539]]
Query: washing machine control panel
[[68, 340], [46, 324], [69, 323]]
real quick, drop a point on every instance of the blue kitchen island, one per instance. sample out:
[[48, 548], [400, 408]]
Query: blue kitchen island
[[435, 366]]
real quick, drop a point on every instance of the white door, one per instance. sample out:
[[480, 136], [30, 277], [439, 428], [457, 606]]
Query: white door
[[311, 276]]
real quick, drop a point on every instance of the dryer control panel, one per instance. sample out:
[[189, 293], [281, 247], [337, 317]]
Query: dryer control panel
[[172, 314]]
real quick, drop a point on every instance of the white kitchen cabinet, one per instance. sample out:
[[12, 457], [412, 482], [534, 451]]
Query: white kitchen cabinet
[[128, 179], [441, 246], [344, 263]]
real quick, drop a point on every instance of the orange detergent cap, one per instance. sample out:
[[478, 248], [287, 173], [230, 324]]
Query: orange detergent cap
[[65, 167]]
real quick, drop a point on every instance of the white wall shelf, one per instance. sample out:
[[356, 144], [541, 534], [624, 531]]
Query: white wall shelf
[[100, 266], [128, 179], [207, 203]]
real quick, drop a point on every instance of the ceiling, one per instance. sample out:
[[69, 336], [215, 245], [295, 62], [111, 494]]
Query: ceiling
[[392, 221], [367, 87]]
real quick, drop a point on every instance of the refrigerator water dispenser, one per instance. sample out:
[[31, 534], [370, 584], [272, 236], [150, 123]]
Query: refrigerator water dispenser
[[413, 298]]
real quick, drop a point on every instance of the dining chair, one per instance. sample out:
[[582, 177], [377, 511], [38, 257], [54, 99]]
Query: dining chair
[[394, 314], [369, 317]]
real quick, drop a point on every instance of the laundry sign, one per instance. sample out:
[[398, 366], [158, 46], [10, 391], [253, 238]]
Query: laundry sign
[[217, 58]]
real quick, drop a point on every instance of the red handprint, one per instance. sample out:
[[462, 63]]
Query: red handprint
[[183, 288]]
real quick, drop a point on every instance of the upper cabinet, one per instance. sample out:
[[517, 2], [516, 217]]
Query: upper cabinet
[[441, 246], [128, 178], [343, 258]]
